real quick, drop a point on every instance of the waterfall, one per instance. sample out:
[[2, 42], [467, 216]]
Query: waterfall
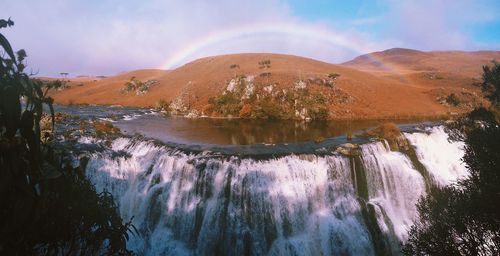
[[440, 157], [204, 204], [394, 187]]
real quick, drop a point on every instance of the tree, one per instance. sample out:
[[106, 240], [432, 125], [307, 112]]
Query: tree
[[64, 75], [491, 82], [464, 218], [47, 207]]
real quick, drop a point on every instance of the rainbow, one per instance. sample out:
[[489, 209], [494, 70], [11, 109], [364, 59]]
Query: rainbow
[[316, 33]]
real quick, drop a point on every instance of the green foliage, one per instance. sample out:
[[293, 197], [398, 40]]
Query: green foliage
[[68, 218], [226, 104], [491, 82], [268, 109], [47, 207], [464, 219], [266, 103]]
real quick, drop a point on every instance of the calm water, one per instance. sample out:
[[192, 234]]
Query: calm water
[[227, 132], [242, 131]]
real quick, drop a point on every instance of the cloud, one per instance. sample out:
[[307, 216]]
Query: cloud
[[106, 37], [437, 25]]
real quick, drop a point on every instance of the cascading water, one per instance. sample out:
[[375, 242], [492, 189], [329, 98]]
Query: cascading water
[[440, 157], [204, 204], [394, 187]]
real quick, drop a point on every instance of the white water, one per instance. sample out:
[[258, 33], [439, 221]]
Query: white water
[[440, 157], [294, 205], [394, 186]]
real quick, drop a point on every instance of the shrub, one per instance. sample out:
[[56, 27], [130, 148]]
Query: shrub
[[268, 109], [137, 86], [333, 76], [453, 100], [491, 82], [246, 111], [463, 218], [320, 113], [226, 104], [264, 64], [105, 128], [163, 105], [265, 74], [319, 98], [47, 206]]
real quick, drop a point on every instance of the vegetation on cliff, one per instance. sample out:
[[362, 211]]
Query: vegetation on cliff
[[47, 206], [248, 97]]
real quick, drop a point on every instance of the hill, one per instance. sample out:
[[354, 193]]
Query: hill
[[396, 83], [467, 64]]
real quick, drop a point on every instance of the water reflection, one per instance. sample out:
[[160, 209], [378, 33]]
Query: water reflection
[[242, 131]]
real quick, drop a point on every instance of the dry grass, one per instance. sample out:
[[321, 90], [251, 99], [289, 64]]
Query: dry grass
[[392, 134], [388, 131], [105, 128], [359, 93]]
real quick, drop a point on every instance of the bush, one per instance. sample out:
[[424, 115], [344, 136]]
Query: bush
[[320, 113], [264, 64], [246, 111], [102, 128], [453, 100], [464, 218], [163, 105], [137, 86], [333, 76], [491, 82], [226, 104], [268, 109], [319, 98], [47, 206]]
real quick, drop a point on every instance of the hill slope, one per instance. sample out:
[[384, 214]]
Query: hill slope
[[462, 63], [416, 84]]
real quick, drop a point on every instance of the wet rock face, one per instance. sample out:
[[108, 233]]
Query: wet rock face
[[348, 149]]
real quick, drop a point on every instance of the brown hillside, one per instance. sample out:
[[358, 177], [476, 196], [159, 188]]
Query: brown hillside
[[467, 64], [414, 86]]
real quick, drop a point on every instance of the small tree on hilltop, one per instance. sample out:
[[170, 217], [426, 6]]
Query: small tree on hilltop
[[265, 64]]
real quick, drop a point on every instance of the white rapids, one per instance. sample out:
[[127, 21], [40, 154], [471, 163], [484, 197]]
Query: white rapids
[[195, 204]]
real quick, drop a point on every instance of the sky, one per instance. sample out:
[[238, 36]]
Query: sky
[[106, 37]]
